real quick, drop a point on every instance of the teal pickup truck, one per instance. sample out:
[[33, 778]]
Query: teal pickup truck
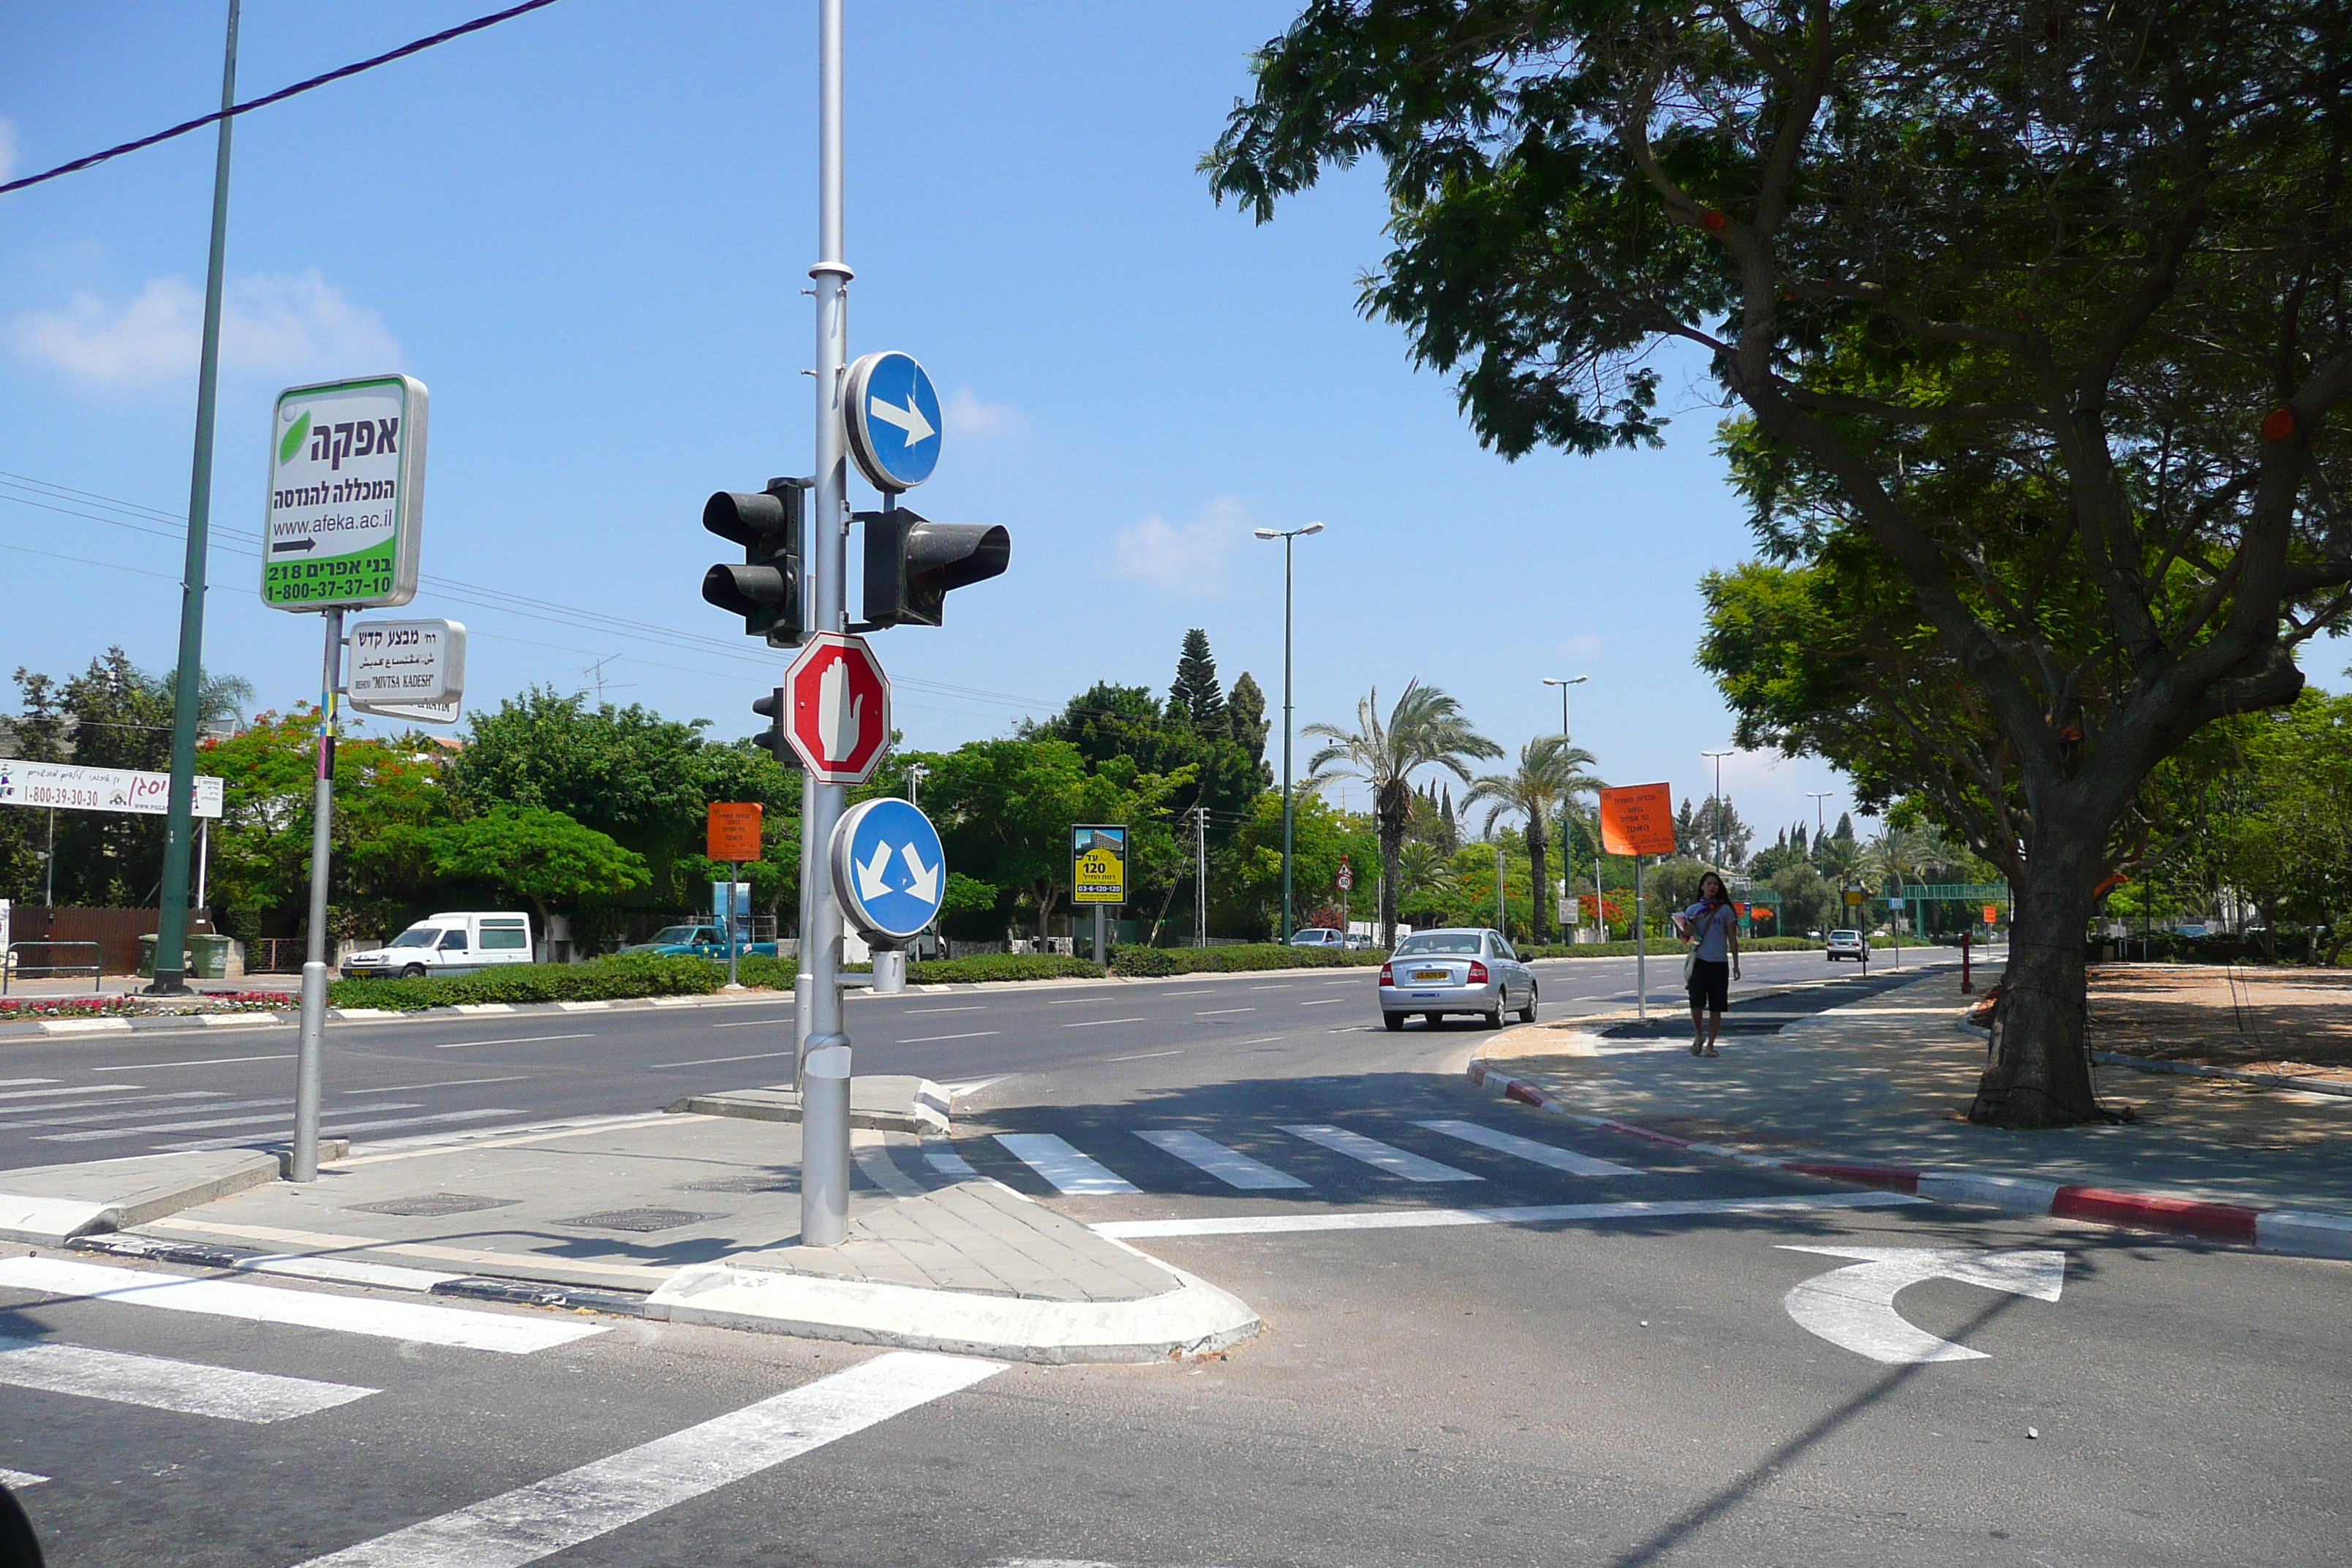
[[697, 941]]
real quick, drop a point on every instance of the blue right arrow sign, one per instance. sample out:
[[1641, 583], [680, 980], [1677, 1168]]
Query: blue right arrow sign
[[892, 412]]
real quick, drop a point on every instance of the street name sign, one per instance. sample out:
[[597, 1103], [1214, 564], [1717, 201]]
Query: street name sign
[[892, 412], [67, 786], [889, 868], [839, 718], [346, 495], [406, 665], [1638, 819], [1098, 864]]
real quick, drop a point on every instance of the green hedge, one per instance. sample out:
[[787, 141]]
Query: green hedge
[[1241, 958], [603, 979], [988, 967]]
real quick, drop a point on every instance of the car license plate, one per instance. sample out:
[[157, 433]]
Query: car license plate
[[1430, 974]]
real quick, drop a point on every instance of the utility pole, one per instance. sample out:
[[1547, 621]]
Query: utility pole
[[1717, 805], [171, 898], [825, 1048], [1201, 876], [1567, 871], [915, 774]]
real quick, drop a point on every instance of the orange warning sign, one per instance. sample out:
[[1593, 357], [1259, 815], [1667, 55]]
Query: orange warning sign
[[734, 830], [1638, 819]]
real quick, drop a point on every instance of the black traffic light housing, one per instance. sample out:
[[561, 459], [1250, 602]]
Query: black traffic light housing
[[772, 740], [766, 589], [912, 562]]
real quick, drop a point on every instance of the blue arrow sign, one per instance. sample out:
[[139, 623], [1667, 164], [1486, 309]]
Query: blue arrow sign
[[888, 868], [893, 416]]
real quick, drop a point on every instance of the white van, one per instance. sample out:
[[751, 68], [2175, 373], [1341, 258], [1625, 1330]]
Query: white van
[[456, 944]]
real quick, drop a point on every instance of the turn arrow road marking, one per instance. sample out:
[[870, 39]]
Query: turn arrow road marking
[[1853, 1307]]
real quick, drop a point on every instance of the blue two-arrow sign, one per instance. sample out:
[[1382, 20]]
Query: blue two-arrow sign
[[888, 868]]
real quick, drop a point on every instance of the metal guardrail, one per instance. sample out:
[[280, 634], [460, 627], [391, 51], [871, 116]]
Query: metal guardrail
[[9, 967]]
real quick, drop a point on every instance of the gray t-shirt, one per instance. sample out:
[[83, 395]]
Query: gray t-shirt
[[1714, 925]]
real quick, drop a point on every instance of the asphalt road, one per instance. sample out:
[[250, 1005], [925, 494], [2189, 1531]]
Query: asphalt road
[[1608, 1386]]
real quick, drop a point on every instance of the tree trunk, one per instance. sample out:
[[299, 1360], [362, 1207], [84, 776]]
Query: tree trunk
[[1392, 851], [2039, 1074]]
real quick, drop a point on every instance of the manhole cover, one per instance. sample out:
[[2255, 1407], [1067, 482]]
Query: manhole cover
[[430, 1204], [743, 1185], [638, 1219]]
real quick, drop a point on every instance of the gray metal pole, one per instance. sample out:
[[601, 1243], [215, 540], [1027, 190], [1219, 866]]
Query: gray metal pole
[[1640, 952], [734, 875], [1102, 934], [825, 1052], [1287, 541], [1200, 876], [305, 1165], [171, 898]]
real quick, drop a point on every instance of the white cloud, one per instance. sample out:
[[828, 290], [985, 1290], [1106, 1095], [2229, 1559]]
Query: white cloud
[[9, 146], [288, 324], [967, 416], [1187, 556]]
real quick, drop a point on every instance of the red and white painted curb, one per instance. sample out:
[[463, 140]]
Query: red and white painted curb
[[2306, 1234]]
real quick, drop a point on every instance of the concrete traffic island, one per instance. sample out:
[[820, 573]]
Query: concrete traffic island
[[884, 1102], [690, 1217]]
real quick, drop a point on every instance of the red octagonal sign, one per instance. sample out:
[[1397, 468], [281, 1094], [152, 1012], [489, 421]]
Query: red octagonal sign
[[840, 707]]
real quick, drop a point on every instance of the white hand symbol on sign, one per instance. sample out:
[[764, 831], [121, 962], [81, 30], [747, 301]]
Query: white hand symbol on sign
[[837, 710]]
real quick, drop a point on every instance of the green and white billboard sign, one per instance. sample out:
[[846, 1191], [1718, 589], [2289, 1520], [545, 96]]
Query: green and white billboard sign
[[346, 495]]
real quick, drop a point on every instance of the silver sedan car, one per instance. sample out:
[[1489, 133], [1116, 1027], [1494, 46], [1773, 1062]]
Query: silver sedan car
[[1433, 973]]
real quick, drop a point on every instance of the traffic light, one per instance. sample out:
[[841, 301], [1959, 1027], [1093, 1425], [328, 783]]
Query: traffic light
[[912, 562], [766, 589], [771, 740]]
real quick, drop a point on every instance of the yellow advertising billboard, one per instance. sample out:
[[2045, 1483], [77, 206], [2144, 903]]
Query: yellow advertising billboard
[[1097, 864]]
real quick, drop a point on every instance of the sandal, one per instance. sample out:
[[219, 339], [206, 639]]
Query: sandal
[[1695, 1046], [1712, 1052]]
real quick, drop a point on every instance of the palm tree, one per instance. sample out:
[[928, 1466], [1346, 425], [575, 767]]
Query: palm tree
[[1423, 870], [1549, 775], [1901, 855], [1425, 729]]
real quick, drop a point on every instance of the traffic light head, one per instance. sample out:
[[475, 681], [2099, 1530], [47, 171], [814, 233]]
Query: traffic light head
[[772, 740], [766, 589], [911, 563]]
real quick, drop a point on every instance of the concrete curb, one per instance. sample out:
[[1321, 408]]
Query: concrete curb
[[338, 1271], [127, 1192], [1195, 1318], [882, 1102], [2303, 1234]]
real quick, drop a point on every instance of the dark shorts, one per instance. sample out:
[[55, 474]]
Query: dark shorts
[[1711, 984]]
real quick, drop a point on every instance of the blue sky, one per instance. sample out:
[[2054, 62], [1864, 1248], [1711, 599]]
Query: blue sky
[[586, 231]]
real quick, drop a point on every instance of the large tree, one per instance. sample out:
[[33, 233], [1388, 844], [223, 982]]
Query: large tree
[[2045, 306], [1425, 729], [1550, 774]]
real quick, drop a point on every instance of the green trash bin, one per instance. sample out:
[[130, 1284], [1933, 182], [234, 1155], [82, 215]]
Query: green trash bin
[[147, 956], [208, 956]]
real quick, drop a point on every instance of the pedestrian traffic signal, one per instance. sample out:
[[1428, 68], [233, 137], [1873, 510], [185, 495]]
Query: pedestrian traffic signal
[[772, 740], [766, 589], [912, 562]]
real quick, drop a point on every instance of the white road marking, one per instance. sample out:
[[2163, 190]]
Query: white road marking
[[884, 1172], [754, 1024], [19, 1479], [1325, 1002], [1544, 1214], [95, 1097], [441, 1083], [1529, 1149], [1214, 1011], [1063, 1165], [341, 1127], [76, 1089], [927, 1039], [461, 1327], [1853, 1307], [12, 1082], [513, 1040], [714, 1061], [927, 1012], [550, 1516], [204, 1062], [1230, 1166], [1143, 1055], [1381, 1156], [941, 1156], [86, 1119], [144, 1128], [191, 1389], [1202, 991], [973, 1086], [1097, 1023]]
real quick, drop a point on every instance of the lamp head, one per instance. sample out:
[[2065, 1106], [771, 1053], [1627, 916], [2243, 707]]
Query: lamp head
[[1312, 528], [1266, 533]]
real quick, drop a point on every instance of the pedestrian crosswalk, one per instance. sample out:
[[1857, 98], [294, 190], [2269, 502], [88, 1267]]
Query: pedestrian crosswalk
[[165, 1384], [176, 1120], [1066, 1168]]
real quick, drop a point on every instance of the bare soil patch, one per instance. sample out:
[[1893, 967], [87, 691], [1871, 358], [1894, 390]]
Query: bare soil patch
[[2264, 1020]]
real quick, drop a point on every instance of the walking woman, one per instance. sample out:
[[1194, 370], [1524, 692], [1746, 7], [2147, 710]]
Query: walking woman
[[1712, 925]]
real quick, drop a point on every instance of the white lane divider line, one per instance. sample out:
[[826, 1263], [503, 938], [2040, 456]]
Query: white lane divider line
[[204, 1062], [551, 1516], [1230, 1166], [714, 1061], [341, 1127], [460, 1326], [1529, 1149], [1099, 1023], [927, 1012], [1218, 1012], [1143, 1055], [12, 1082], [1325, 1002], [510, 1040], [1069, 1171], [17, 1480], [933, 1039], [1379, 1155], [1533, 1214], [187, 1387], [440, 1083]]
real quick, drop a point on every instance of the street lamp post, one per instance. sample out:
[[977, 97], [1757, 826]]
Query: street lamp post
[[1821, 830], [1285, 535], [1568, 872], [1717, 802]]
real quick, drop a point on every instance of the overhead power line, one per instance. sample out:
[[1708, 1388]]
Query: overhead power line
[[476, 26]]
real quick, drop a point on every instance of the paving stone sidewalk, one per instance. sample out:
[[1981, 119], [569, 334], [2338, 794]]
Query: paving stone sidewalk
[[1888, 1080]]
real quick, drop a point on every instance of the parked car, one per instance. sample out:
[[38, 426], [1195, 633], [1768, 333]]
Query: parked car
[[461, 942], [2192, 929], [708, 941], [1845, 944], [1318, 936], [1462, 970]]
